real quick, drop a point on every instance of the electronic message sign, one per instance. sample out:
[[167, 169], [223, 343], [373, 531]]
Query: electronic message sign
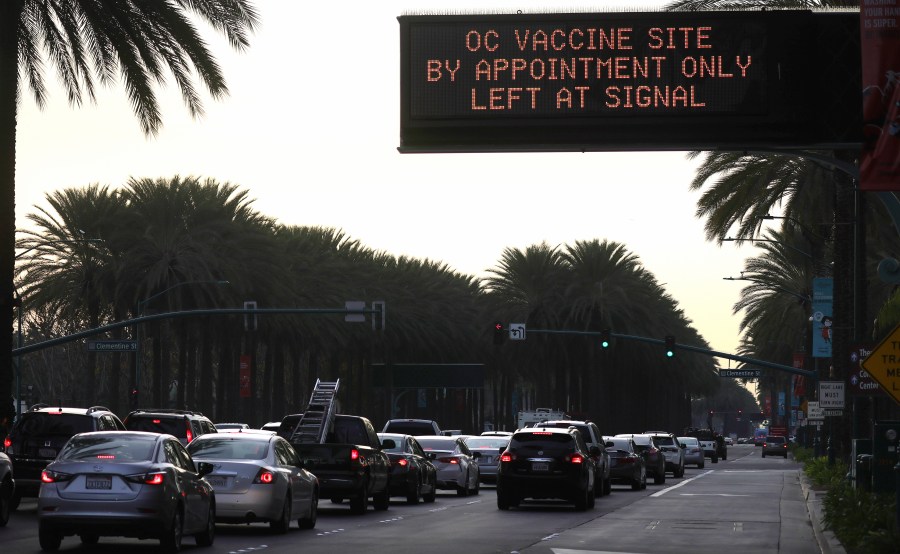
[[619, 81]]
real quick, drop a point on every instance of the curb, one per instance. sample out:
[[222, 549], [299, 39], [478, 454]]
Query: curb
[[828, 543]]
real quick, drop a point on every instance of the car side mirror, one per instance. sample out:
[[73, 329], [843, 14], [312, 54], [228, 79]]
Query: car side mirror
[[609, 444], [388, 444], [595, 451], [204, 468]]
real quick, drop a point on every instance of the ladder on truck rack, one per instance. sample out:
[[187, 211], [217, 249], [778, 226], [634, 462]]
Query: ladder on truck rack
[[316, 421]]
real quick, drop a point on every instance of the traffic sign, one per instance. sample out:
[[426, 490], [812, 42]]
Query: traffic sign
[[815, 412], [831, 394], [741, 373], [833, 413], [112, 346], [516, 331], [883, 364]]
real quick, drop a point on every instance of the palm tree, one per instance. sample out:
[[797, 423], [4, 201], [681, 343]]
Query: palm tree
[[89, 42]]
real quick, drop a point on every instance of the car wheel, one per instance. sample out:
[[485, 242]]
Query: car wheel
[[48, 540], [659, 478], [785, 455], [464, 489], [581, 503], [5, 503], [715, 459], [763, 454], [724, 456], [680, 470], [592, 499], [283, 523], [171, 539], [309, 521], [702, 464], [644, 481], [414, 492], [477, 487], [208, 535], [382, 500], [502, 501], [432, 494], [360, 504]]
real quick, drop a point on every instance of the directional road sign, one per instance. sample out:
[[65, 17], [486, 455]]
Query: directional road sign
[[516, 331], [883, 364], [831, 395], [816, 413]]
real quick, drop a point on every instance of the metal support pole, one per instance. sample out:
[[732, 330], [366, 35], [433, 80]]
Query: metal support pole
[[830, 449], [18, 359]]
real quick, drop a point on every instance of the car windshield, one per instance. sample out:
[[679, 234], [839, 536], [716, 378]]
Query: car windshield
[[174, 426], [122, 448], [54, 423], [228, 448]]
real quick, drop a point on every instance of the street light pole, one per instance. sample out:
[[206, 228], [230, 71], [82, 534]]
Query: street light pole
[[137, 331]]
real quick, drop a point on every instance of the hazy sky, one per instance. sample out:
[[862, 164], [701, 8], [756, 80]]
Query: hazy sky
[[311, 130]]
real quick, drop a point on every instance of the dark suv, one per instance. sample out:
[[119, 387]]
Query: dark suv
[[182, 424], [592, 437], [546, 462], [41, 432]]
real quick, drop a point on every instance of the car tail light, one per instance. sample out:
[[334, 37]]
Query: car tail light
[[354, 455], [449, 460], [264, 477], [764, 445], [7, 442], [507, 457], [575, 459], [190, 435], [155, 478], [50, 476], [402, 462], [629, 460], [106, 456]]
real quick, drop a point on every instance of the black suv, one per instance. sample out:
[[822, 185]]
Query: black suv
[[546, 462], [181, 424], [41, 432]]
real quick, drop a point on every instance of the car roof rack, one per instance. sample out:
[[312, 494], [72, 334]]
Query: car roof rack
[[166, 411]]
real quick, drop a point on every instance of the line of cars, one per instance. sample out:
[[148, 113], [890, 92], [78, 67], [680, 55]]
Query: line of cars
[[157, 474]]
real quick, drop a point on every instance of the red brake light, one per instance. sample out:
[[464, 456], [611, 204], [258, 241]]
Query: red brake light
[[575, 459], [264, 477], [449, 460], [190, 435], [402, 462], [354, 455], [155, 478], [156, 421], [106, 456], [7, 442], [507, 457], [47, 477]]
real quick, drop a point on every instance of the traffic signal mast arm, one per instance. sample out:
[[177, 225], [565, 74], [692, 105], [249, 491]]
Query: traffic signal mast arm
[[687, 347]]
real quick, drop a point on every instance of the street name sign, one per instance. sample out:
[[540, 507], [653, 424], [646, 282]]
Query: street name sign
[[831, 395], [112, 346], [833, 413], [883, 364], [741, 373]]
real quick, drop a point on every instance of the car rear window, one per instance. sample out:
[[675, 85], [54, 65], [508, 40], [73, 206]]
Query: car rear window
[[410, 428], [438, 444], [174, 426], [774, 439], [487, 442], [664, 440], [550, 443], [58, 424], [109, 448], [229, 448]]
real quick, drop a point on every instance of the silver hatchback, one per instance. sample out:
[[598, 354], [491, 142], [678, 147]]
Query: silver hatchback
[[125, 484]]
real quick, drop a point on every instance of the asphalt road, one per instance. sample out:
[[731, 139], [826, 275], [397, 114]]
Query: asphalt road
[[745, 505]]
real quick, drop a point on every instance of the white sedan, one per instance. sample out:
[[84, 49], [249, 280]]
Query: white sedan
[[257, 477], [456, 466]]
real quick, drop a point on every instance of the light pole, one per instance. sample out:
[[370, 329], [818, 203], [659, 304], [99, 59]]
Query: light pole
[[137, 330]]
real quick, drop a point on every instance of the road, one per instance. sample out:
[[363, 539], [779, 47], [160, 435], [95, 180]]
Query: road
[[745, 504]]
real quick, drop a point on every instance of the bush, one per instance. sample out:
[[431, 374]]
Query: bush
[[863, 521], [823, 474]]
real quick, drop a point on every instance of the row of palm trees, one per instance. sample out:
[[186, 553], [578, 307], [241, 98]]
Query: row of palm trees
[[96, 255]]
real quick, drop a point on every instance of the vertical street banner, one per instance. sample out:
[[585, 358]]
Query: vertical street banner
[[879, 165], [822, 321], [245, 377]]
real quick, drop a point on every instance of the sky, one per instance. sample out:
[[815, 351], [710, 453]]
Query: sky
[[311, 129]]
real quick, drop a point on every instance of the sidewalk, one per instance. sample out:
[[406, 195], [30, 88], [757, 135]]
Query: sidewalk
[[828, 543]]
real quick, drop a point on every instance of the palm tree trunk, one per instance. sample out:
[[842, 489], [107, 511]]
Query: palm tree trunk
[[206, 397]]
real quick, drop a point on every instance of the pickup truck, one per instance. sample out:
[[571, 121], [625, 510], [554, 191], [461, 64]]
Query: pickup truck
[[350, 464]]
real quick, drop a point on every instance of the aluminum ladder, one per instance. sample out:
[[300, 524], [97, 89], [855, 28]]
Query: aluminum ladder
[[316, 421]]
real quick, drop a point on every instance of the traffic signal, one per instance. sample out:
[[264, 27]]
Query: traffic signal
[[605, 338], [134, 398], [670, 346], [499, 332]]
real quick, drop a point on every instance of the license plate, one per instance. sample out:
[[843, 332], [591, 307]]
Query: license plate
[[216, 482], [98, 483], [540, 466], [47, 452]]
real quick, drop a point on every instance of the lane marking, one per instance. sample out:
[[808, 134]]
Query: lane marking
[[681, 484], [711, 494]]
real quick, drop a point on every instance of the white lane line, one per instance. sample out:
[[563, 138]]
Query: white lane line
[[681, 484]]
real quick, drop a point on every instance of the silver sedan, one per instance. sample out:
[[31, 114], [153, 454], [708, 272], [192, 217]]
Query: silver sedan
[[490, 448], [257, 477], [457, 468], [693, 451]]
